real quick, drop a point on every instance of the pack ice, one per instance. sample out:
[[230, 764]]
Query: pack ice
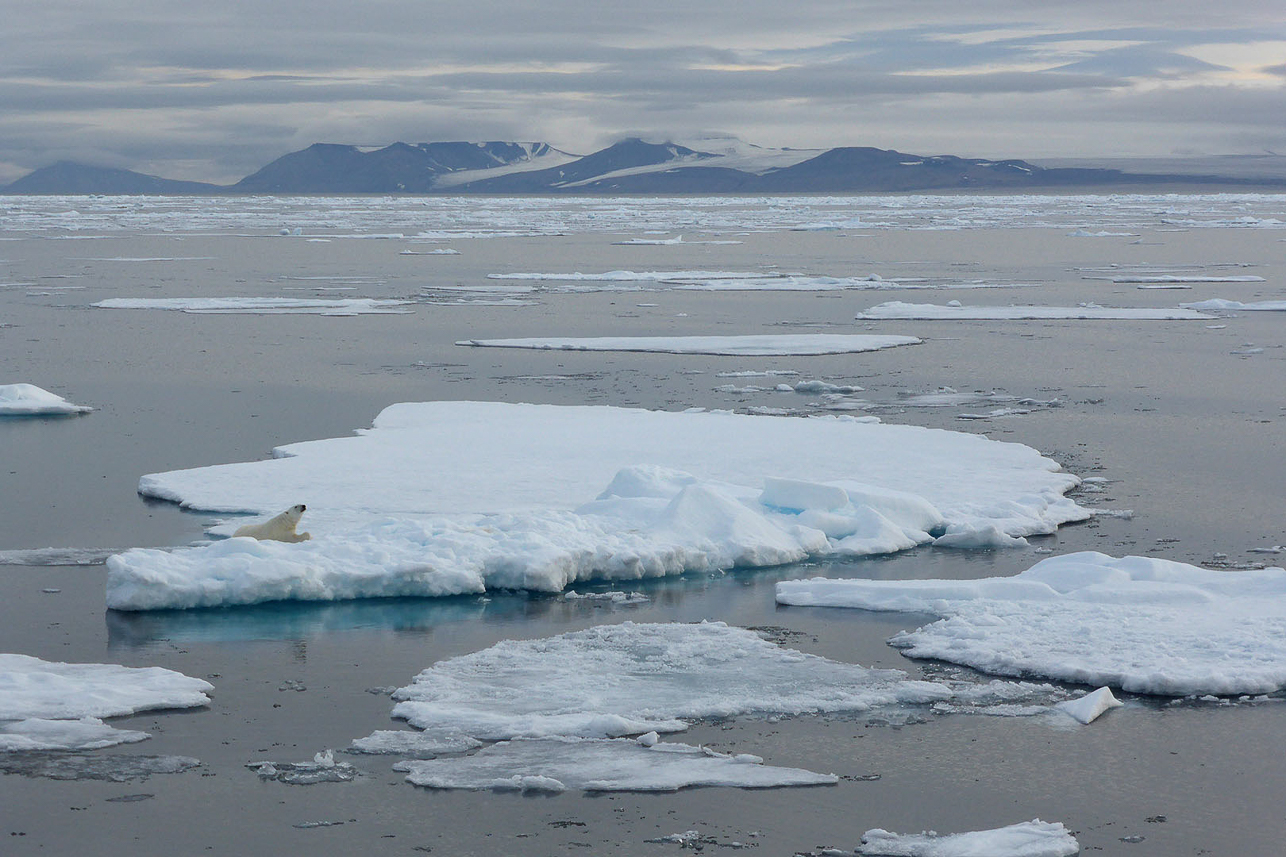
[[57, 706], [1140, 624], [444, 498], [560, 706]]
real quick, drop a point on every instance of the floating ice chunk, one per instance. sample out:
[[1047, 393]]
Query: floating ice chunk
[[322, 769], [87, 733], [30, 687], [30, 400], [557, 764], [82, 766], [764, 345], [1221, 305], [416, 745], [316, 306], [1033, 838], [934, 312], [1139, 624], [1091, 706], [978, 538], [457, 497]]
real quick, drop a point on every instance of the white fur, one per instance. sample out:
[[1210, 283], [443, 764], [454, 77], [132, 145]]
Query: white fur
[[280, 528]]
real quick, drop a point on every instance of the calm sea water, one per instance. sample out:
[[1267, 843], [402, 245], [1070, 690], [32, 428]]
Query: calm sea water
[[1185, 420]]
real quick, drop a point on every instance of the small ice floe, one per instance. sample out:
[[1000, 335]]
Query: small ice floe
[[86, 733], [448, 498], [953, 310], [1175, 279], [638, 276], [1140, 624], [440, 251], [1102, 233], [995, 414], [819, 388], [23, 400], [414, 744], [322, 769], [1091, 706], [1033, 838], [762, 345], [1222, 305], [263, 306], [55, 706], [603, 765]]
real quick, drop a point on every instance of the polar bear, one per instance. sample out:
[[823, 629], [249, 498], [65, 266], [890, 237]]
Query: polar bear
[[280, 528]]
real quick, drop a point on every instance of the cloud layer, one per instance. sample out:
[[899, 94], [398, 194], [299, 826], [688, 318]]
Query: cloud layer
[[213, 93]]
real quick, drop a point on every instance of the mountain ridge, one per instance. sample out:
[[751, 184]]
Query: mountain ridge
[[630, 166]]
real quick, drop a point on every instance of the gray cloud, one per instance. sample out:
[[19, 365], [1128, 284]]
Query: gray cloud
[[213, 93]]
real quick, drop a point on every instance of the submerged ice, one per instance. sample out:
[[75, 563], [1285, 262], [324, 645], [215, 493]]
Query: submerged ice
[[1140, 624], [445, 498]]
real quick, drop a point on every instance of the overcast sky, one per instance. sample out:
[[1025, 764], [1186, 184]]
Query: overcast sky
[[215, 89]]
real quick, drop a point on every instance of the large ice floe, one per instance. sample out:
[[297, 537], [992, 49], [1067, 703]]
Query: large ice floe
[[953, 310], [1224, 305], [762, 345], [1140, 624], [55, 706], [257, 305], [30, 400], [560, 706], [444, 498], [1033, 838]]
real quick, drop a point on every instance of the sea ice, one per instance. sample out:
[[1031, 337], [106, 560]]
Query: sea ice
[[630, 679], [444, 498], [1140, 624], [935, 312], [30, 400], [316, 306], [86, 733], [1091, 706], [762, 345], [1168, 279], [30, 687], [598, 764], [1033, 838], [1221, 305]]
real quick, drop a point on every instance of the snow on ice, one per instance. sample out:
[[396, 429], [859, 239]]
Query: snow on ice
[[1140, 624], [49, 705], [314, 306], [603, 764], [761, 345], [1033, 838], [936, 312], [30, 400], [444, 498]]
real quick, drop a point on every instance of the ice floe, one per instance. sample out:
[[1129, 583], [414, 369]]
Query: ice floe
[[86, 733], [313, 306], [443, 498], [762, 345], [935, 312], [602, 765], [1091, 706], [1140, 624], [558, 702], [30, 400], [55, 706], [1165, 279], [1033, 838], [322, 769], [1221, 305]]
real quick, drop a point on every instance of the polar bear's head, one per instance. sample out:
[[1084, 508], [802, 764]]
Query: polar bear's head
[[294, 513]]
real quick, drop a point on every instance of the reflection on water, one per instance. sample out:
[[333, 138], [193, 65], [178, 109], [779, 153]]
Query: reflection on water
[[304, 620]]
